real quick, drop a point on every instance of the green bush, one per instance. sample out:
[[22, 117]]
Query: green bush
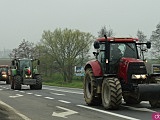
[[57, 80]]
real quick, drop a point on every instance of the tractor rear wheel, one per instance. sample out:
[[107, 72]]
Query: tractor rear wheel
[[17, 82], [155, 103], [90, 95], [111, 93]]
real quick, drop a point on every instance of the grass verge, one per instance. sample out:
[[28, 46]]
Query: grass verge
[[57, 80]]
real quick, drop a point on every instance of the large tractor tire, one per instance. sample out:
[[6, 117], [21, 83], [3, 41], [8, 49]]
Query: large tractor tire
[[17, 82], [38, 85], [111, 93], [90, 95], [7, 81], [155, 103], [12, 83], [129, 99]]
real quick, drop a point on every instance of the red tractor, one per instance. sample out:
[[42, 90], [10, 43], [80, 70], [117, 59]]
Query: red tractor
[[118, 72]]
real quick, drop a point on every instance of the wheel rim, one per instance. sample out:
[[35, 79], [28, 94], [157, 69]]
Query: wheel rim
[[106, 94], [88, 87]]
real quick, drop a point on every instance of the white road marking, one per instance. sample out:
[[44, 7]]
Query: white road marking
[[57, 94], [1, 89], [37, 95], [110, 113], [60, 90], [64, 114], [15, 111], [64, 101], [22, 91], [49, 98], [17, 95], [139, 109], [16, 90], [147, 102], [29, 93]]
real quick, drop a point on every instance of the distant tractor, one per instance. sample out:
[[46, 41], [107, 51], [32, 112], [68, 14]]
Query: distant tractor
[[118, 72], [24, 72], [4, 73]]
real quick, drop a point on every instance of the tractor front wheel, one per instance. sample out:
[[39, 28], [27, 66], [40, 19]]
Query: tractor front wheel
[[90, 95], [38, 85], [12, 82], [111, 93], [17, 82]]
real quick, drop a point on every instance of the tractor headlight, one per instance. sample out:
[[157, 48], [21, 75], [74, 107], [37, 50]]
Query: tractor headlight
[[143, 76], [4, 76], [28, 76], [139, 76]]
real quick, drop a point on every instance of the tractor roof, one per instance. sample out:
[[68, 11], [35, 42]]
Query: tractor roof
[[22, 59], [103, 39]]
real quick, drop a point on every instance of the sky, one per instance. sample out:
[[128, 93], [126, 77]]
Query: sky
[[27, 19]]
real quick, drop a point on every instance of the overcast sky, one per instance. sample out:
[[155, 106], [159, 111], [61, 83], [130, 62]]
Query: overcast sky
[[26, 19]]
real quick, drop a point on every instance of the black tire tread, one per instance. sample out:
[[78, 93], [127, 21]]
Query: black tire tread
[[115, 93]]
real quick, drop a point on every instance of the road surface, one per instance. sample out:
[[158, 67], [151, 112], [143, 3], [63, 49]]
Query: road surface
[[62, 103]]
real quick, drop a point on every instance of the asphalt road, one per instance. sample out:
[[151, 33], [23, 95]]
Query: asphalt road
[[59, 103]]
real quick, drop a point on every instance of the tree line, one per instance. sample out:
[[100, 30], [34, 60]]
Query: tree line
[[62, 49]]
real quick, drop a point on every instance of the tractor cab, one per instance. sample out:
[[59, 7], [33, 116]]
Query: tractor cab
[[111, 51]]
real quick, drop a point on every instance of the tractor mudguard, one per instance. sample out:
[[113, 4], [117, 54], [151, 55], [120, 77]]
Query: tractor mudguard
[[35, 71], [149, 91], [96, 67]]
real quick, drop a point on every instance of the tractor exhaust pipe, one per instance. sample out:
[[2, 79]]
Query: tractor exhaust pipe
[[149, 92]]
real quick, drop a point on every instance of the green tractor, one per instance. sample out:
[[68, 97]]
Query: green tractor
[[24, 72]]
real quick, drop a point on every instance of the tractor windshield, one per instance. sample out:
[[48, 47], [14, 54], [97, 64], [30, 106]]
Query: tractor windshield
[[119, 50], [25, 64]]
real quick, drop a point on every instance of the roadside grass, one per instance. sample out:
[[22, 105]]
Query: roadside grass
[[57, 80]]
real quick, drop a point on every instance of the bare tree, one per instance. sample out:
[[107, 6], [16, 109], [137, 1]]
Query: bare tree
[[155, 40], [141, 36], [24, 50], [104, 31]]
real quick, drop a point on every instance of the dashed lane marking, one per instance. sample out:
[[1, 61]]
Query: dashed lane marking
[[107, 112], [16, 90], [49, 98], [57, 94], [15, 96], [29, 93], [37, 95], [22, 91], [64, 101]]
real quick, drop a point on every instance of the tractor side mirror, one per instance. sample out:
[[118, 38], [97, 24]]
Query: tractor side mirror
[[148, 45], [38, 62], [96, 45]]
